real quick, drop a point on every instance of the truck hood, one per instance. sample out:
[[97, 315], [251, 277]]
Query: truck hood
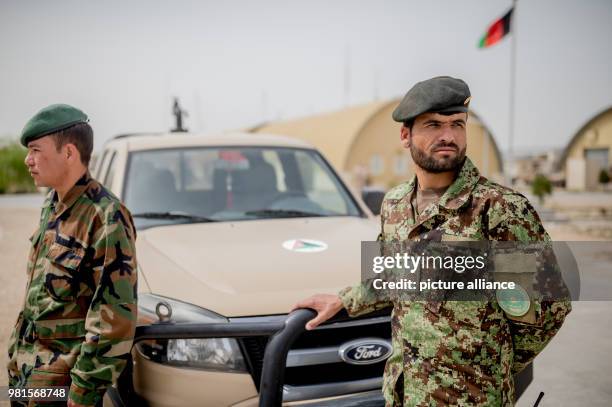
[[259, 267]]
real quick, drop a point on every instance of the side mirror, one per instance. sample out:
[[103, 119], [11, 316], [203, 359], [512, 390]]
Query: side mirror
[[373, 200]]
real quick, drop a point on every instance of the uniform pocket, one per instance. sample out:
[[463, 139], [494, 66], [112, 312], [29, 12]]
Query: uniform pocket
[[60, 275], [465, 314]]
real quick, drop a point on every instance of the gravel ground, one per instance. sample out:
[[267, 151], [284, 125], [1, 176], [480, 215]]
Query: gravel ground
[[573, 370]]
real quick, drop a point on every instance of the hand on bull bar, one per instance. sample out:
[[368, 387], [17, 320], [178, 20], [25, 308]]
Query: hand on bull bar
[[325, 305]]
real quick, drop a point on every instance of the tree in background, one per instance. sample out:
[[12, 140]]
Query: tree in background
[[14, 175], [541, 187]]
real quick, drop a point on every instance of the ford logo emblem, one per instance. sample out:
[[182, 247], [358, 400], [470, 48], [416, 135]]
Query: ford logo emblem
[[365, 351]]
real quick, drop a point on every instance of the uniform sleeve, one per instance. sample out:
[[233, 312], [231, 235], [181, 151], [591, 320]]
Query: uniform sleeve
[[111, 317], [515, 219], [530, 339], [363, 298]]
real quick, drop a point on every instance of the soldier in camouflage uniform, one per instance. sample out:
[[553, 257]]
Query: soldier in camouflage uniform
[[450, 352], [79, 314]]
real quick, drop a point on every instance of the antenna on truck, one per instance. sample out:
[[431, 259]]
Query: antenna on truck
[[178, 116]]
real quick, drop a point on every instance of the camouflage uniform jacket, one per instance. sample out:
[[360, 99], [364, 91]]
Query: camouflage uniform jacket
[[79, 314], [458, 352]]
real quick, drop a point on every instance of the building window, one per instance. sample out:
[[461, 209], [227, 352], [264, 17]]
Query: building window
[[400, 164], [598, 155], [377, 165]]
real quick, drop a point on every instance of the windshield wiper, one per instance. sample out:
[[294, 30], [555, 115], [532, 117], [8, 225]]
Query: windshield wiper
[[281, 213], [172, 215]]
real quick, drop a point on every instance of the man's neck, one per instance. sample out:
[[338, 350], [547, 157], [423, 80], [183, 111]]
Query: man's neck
[[69, 181], [430, 180]]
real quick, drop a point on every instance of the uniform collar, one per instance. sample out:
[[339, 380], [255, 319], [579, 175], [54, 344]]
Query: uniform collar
[[72, 195], [50, 199], [459, 191]]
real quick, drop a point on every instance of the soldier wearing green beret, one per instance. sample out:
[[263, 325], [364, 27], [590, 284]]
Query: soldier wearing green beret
[[450, 352], [78, 318]]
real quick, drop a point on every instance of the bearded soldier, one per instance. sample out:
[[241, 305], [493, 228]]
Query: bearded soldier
[[79, 313], [450, 352]]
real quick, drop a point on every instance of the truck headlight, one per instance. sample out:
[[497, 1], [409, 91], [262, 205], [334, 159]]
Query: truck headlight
[[206, 353], [220, 354]]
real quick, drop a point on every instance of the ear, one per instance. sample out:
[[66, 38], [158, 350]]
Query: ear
[[405, 136], [71, 152]]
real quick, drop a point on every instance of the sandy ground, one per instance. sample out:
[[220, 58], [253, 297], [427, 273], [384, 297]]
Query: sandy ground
[[573, 370], [16, 226]]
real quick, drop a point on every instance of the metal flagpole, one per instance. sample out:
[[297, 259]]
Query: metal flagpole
[[510, 163]]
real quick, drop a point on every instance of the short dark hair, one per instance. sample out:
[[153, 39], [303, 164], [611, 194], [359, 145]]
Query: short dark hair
[[81, 135]]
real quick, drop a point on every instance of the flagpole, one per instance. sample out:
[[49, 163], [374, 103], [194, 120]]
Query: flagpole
[[510, 163]]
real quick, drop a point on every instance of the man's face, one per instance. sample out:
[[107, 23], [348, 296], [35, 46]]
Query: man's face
[[48, 166], [437, 142]]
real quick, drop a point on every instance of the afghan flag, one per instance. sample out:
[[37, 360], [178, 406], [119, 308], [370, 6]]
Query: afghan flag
[[497, 30]]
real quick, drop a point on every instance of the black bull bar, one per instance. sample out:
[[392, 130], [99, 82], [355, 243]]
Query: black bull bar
[[282, 335]]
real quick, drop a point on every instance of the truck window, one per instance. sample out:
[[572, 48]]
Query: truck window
[[235, 183], [110, 172]]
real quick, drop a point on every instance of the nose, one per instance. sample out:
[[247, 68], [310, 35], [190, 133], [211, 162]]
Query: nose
[[446, 135], [28, 160]]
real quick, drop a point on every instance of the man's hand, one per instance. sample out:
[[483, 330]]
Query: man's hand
[[326, 305]]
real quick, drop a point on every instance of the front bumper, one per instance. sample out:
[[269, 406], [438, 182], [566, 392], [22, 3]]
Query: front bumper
[[165, 386]]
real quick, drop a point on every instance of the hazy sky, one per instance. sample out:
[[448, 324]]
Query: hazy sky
[[238, 63]]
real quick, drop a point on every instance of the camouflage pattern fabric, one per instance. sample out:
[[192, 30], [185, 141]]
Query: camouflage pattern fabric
[[79, 314], [458, 352]]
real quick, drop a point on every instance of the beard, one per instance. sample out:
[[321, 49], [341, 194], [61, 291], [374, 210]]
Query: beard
[[431, 164]]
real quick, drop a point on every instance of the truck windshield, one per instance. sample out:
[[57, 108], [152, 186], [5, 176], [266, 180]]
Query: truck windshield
[[234, 183]]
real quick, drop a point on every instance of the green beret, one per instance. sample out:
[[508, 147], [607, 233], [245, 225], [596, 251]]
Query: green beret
[[441, 94], [51, 119]]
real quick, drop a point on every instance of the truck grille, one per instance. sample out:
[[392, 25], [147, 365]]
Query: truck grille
[[319, 370]]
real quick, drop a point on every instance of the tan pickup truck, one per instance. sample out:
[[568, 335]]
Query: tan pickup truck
[[237, 228]]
